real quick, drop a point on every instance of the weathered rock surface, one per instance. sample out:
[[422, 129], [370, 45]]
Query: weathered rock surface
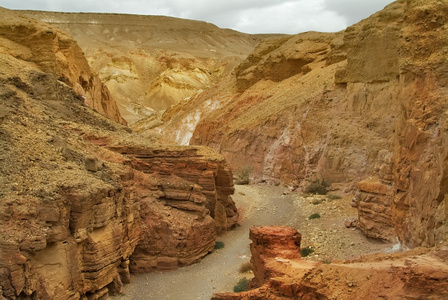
[[73, 210], [418, 274], [204, 168], [367, 102], [152, 62], [270, 246], [56, 53]]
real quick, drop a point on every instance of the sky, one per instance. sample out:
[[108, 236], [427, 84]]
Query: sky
[[250, 16]]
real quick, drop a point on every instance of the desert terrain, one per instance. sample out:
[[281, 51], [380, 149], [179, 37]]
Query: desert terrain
[[125, 142], [265, 205]]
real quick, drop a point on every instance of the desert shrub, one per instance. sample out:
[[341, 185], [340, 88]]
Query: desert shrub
[[334, 197], [314, 216], [219, 245], [243, 175], [318, 186], [318, 201], [304, 252], [241, 286], [246, 267]]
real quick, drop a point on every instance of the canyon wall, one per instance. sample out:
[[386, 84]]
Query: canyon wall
[[84, 201], [152, 62], [367, 103]]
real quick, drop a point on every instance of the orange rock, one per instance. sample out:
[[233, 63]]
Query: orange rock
[[419, 273]]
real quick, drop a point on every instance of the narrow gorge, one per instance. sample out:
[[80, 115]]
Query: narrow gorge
[[121, 137]]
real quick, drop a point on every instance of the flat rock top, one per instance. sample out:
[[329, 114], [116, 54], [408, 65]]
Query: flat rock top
[[277, 231], [124, 31]]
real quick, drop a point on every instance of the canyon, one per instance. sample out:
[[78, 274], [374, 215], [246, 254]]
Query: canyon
[[82, 204], [365, 107], [88, 200]]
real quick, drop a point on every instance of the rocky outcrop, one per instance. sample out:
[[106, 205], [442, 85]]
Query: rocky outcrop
[[420, 273], [204, 168], [56, 53], [187, 203], [271, 246], [152, 62], [177, 229], [67, 229], [363, 105], [374, 200], [76, 214]]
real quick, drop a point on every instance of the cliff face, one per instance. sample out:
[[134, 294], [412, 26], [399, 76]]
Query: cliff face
[[413, 175], [152, 62], [363, 104], [79, 208]]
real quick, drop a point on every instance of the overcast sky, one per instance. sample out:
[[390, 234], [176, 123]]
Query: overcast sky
[[250, 16]]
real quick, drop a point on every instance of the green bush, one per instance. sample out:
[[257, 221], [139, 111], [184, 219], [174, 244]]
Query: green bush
[[304, 252], [219, 245], [314, 216], [241, 286], [243, 175]]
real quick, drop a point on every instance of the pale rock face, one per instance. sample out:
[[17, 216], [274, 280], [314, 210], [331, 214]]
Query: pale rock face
[[152, 62]]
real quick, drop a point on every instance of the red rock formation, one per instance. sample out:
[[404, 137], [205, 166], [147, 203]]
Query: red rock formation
[[187, 205], [419, 274], [271, 246], [197, 165], [374, 201]]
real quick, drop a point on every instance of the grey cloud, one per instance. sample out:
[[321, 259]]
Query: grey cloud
[[252, 16], [356, 10]]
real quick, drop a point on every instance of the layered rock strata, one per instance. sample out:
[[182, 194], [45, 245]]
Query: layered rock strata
[[418, 158], [188, 203], [75, 216], [419, 274], [374, 200], [67, 228]]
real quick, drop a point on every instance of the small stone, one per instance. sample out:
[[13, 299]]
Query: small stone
[[351, 222]]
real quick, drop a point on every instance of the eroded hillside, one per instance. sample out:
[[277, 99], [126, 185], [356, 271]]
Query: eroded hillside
[[366, 103], [83, 200], [152, 62], [86, 201]]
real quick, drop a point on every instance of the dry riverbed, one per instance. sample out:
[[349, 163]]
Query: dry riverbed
[[261, 205]]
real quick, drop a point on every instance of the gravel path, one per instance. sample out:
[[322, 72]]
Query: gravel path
[[218, 271], [260, 205]]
